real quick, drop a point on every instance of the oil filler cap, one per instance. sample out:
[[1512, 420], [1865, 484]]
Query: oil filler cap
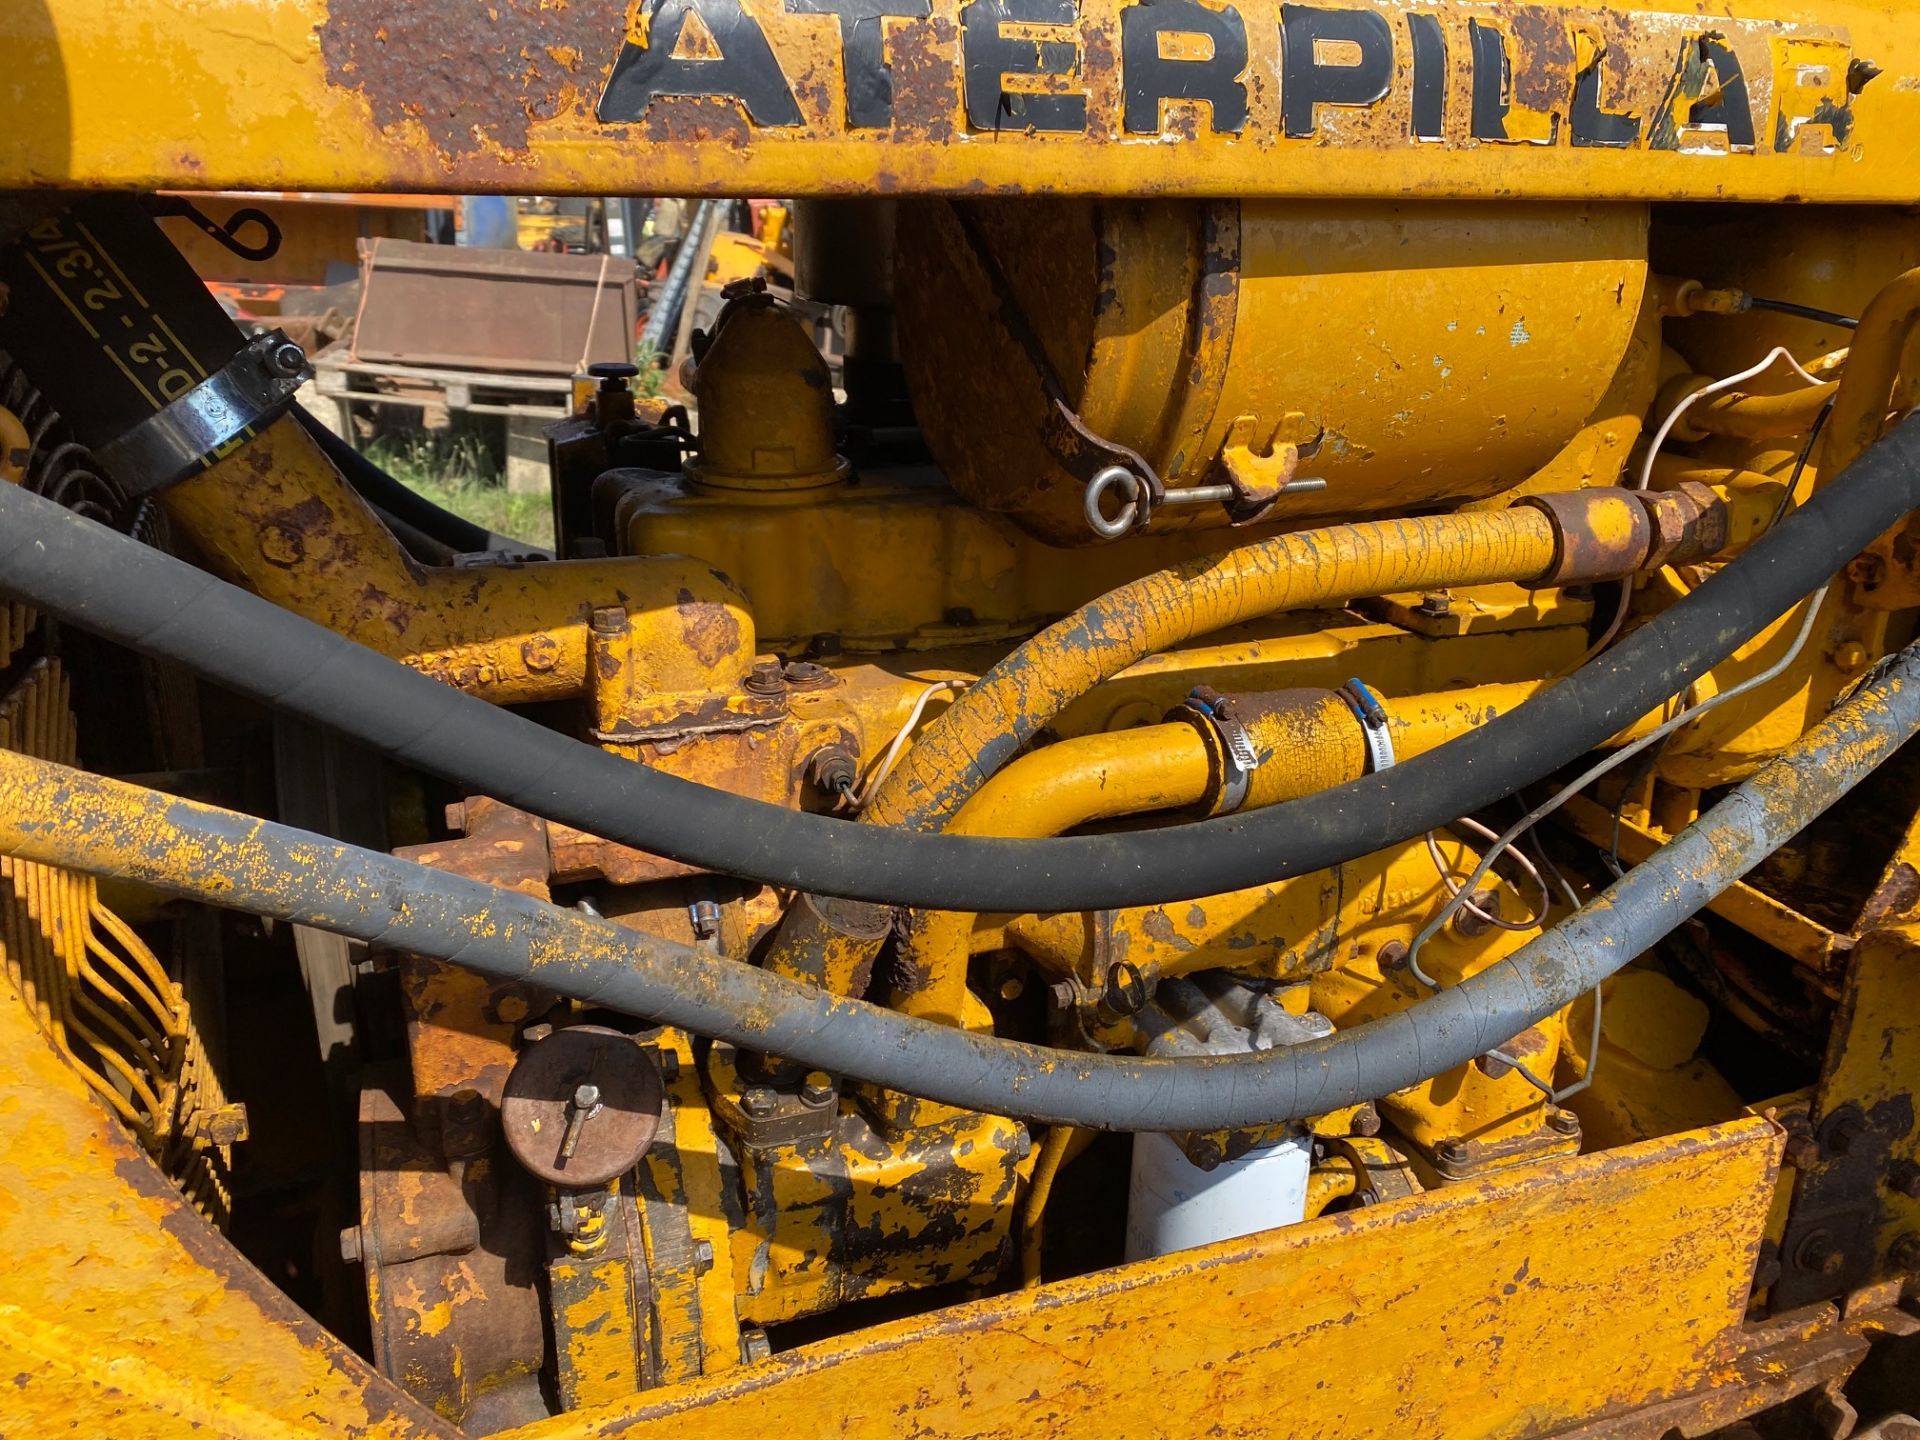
[[582, 1105]]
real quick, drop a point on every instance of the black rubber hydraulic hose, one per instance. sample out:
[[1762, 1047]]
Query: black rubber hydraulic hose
[[98, 580], [68, 818]]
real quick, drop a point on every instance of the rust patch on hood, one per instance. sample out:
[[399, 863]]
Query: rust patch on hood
[[475, 77]]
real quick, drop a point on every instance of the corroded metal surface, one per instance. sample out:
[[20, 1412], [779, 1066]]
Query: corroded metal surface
[[731, 96], [148, 1324], [1644, 1253]]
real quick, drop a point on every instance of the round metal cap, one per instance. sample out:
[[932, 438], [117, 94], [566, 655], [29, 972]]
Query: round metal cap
[[582, 1105]]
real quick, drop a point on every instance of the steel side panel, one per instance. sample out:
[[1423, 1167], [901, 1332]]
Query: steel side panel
[[1510, 1306], [450, 95], [123, 1313]]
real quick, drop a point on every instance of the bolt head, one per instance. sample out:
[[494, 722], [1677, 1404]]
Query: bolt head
[[1563, 1122], [759, 1103], [286, 359], [350, 1244], [585, 1097], [1802, 1152], [817, 1089], [1366, 1121], [702, 1256]]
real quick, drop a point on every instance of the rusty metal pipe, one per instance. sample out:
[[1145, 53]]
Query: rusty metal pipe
[[53, 815], [97, 580]]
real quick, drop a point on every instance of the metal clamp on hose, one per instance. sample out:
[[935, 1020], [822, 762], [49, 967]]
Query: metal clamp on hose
[[253, 388], [1238, 757], [1372, 716]]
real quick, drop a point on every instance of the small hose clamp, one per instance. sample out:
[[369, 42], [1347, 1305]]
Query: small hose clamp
[[1239, 758], [254, 387], [1372, 716]]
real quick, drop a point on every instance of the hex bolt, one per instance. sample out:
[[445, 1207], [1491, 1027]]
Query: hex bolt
[[759, 1103], [1820, 1254], [1840, 1129], [765, 679], [534, 1034], [582, 1108], [669, 1063], [610, 619], [1903, 1178], [1393, 956], [702, 1256], [1366, 1121], [1449, 1152], [1563, 1122], [754, 1345], [350, 1244], [1436, 603], [1495, 1064], [817, 1088]]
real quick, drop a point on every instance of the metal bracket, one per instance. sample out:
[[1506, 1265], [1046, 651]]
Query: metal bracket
[[253, 388]]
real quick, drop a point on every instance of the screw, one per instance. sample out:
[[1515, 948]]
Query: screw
[[766, 678], [350, 1244], [1435, 602], [583, 1107], [1819, 1254], [1563, 1122], [754, 1345], [286, 359], [759, 1103], [817, 1088], [1366, 1121], [702, 1256], [1393, 955], [1449, 1152], [1206, 1153], [610, 619]]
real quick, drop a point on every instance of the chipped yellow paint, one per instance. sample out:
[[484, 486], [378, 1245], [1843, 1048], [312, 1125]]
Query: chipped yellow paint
[[1645, 1253], [334, 97]]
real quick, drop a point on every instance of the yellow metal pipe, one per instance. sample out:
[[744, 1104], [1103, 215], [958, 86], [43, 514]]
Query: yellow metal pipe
[[1333, 1179], [1314, 744], [1760, 417], [1873, 368], [1169, 607], [277, 517]]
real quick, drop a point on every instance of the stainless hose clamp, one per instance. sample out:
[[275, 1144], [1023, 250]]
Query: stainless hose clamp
[[1239, 759], [1372, 716], [252, 389]]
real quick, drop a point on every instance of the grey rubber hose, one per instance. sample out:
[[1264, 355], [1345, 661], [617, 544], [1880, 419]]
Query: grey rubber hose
[[66, 817], [87, 575]]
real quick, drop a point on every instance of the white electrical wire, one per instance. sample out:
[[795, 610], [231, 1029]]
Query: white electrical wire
[[1455, 889], [1660, 437], [883, 767], [1619, 757]]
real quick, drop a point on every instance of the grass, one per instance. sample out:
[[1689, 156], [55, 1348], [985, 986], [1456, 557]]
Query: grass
[[460, 469]]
